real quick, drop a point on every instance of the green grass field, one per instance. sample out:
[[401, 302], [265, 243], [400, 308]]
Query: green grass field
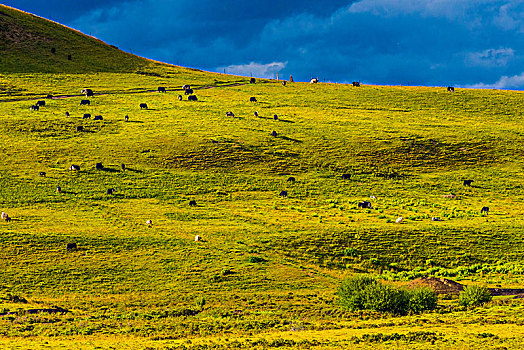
[[265, 274], [143, 287]]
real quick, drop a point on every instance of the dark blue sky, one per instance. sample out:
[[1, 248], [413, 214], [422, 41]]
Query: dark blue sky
[[473, 43]]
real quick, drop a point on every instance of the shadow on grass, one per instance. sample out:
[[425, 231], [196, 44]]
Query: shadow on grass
[[289, 139], [110, 170], [279, 120]]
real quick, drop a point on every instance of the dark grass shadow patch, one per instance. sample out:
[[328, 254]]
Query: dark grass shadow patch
[[290, 139], [68, 192], [429, 154], [111, 170]]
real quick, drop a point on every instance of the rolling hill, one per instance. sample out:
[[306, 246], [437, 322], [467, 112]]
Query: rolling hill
[[266, 271], [32, 44]]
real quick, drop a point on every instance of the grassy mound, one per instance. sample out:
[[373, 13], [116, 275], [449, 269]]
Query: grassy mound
[[32, 44]]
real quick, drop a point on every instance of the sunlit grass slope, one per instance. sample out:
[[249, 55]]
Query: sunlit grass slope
[[267, 264]]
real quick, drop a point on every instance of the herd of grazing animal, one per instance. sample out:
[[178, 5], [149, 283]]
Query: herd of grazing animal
[[191, 97]]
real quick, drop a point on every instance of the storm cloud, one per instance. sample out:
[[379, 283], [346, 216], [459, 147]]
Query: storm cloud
[[410, 42]]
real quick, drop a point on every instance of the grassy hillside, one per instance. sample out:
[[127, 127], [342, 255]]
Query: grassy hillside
[[27, 41], [266, 272]]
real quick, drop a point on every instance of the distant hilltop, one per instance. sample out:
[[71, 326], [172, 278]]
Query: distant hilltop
[[31, 44]]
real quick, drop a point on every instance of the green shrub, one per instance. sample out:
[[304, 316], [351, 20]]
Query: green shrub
[[351, 252], [386, 298], [474, 296], [200, 302], [351, 292], [366, 293], [422, 299], [256, 259]]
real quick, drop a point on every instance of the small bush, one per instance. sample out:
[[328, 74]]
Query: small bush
[[422, 299], [474, 296], [351, 292], [256, 259], [200, 302], [385, 298], [366, 293], [351, 252]]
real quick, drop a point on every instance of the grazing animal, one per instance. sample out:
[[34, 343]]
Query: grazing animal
[[40, 103], [67, 114], [98, 117], [59, 189], [53, 50], [192, 203], [356, 83], [149, 222], [274, 133], [4, 215], [69, 57], [180, 97], [79, 128], [143, 106], [161, 89], [188, 91], [99, 166], [85, 103], [399, 220], [256, 114], [313, 81], [126, 118], [123, 166], [436, 219], [451, 89], [364, 205], [346, 176], [291, 179], [192, 98], [252, 81], [283, 194], [87, 92], [35, 108], [86, 116], [42, 173], [229, 114], [198, 238], [75, 167], [467, 182], [275, 117], [372, 197], [110, 190], [71, 246], [284, 83], [49, 96], [185, 87], [484, 210], [252, 99]]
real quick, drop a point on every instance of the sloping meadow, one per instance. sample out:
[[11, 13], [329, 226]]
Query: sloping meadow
[[268, 260]]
